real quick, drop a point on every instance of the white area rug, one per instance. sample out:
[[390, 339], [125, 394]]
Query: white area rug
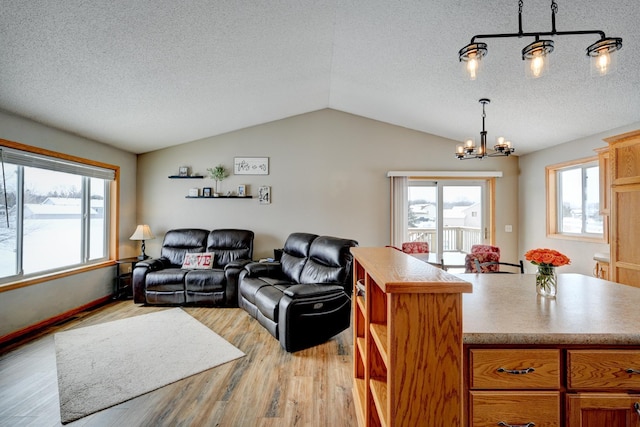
[[103, 365]]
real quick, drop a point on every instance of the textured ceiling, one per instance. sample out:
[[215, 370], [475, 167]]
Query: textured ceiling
[[143, 75]]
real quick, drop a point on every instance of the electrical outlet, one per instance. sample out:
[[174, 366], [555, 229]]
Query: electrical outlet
[[508, 228]]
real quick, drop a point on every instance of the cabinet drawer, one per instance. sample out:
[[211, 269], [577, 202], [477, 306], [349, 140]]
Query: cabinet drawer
[[603, 369], [489, 408], [514, 369]]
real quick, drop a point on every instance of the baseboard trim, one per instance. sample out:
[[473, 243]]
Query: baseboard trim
[[14, 336]]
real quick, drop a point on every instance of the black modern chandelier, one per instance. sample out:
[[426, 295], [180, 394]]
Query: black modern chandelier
[[470, 151], [536, 52]]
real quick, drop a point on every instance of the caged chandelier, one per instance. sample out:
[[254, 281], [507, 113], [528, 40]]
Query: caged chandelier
[[470, 151], [536, 52]]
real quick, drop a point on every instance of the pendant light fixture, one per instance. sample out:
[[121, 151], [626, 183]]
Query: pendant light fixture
[[536, 53], [470, 151]]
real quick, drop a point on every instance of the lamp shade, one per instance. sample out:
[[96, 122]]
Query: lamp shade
[[143, 232]]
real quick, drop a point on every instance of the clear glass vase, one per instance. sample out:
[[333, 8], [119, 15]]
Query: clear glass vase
[[546, 281]]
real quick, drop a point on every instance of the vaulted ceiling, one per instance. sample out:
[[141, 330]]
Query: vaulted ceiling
[[144, 75]]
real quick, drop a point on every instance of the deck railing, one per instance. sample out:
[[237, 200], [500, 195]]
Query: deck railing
[[455, 239]]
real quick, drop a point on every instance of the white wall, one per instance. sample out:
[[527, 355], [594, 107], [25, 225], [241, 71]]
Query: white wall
[[23, 307], [327, 176], [532, 204]]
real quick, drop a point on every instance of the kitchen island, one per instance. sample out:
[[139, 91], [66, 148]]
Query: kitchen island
[[529, 360], [521, 359]]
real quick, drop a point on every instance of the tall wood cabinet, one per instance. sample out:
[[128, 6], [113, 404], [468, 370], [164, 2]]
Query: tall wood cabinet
[[407, 328], [624, 158]]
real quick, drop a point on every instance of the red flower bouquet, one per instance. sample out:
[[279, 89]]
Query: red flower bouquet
[[547, 257]]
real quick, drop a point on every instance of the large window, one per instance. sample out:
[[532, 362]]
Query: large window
[[573, 200], [55, 213]]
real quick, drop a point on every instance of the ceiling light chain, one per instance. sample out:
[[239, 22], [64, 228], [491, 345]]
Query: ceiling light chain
[[469, 149], [537, 51]]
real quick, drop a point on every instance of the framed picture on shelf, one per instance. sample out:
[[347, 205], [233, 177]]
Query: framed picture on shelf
[[194, 192], [242, 190], [264, 194], [251, 165], [183, 171], [206, 192]]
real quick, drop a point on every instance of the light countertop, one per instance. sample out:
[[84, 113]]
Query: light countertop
[[505, 309], [601, 256]]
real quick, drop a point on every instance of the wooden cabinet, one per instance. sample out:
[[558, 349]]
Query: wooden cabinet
[[597, 385], [601, 270], [515, 369], [604, 168], [491, 408], [605, 180], [624, 158], [603, 409], [514, 387], [603, 370], [407, 326], [564, 386]]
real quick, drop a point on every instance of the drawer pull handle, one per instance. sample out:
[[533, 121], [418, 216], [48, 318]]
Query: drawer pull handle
[[503, 424], [516, 372], [636, 406], [632, 371]]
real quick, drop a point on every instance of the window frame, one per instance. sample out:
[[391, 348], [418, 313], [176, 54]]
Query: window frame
[[553, 210], [111, 205]]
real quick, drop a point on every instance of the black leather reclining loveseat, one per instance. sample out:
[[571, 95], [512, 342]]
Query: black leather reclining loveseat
[[304, 299], [164, 281]]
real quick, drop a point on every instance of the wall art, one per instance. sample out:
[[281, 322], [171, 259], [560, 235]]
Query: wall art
[[251, 165], [264, 194]]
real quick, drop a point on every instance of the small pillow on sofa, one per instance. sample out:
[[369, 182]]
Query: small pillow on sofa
[[198, 261]]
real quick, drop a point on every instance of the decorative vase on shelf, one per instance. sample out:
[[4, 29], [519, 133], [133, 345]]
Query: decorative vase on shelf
[[546, 281]]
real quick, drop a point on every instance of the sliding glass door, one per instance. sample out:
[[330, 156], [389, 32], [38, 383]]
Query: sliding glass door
[[449, 215]]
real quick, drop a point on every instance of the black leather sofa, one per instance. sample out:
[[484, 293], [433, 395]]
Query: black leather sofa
[[163, 280], [304, 299]]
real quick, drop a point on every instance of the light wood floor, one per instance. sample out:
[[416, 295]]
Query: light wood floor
[[267, 387]]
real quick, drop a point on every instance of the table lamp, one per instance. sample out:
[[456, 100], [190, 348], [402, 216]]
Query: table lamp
[[143, 232]]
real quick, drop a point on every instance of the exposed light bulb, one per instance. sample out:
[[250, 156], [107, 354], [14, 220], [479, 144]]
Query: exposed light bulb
[[603, 61], [537, 66], [472, 68]]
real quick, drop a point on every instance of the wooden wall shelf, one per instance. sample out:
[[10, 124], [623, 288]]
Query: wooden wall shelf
[[219, 197]]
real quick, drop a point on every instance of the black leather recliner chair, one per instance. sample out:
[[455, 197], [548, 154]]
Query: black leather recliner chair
[[304, 299], [164, 281]]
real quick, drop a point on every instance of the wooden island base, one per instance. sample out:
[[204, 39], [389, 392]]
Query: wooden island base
[[407, 341], [436, 349]]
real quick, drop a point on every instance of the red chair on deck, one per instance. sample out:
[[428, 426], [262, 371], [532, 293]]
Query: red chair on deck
[[415, 248]]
